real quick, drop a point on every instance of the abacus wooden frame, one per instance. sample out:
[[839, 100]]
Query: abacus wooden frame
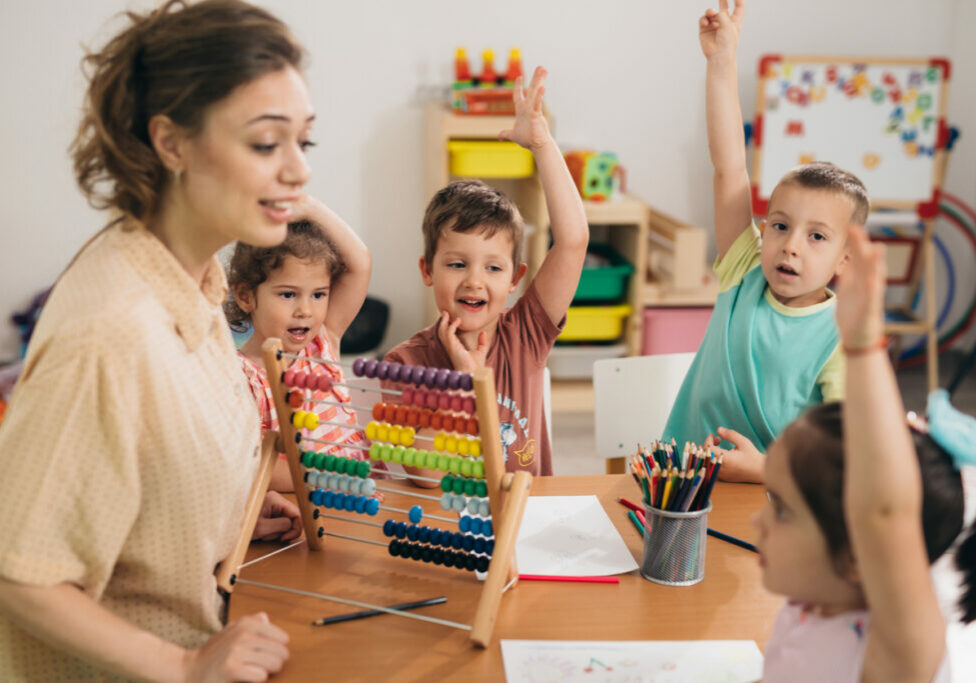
[[507, 492]]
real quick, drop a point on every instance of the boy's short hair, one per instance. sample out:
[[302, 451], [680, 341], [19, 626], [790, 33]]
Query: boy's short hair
[[823, 175], [466, 205]]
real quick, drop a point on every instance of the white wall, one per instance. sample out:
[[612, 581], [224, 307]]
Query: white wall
[[624, 76]]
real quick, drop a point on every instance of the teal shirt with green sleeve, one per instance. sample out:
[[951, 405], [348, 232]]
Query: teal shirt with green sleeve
[[761, 364]]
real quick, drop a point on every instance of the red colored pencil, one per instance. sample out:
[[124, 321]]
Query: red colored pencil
[[633, 506], [576, 579]]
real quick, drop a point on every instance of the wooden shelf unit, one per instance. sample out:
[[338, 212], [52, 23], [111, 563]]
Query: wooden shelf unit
[[443, 125], [630, 220], [632, 224]]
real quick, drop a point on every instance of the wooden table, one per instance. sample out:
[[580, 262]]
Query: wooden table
[[730, 604]]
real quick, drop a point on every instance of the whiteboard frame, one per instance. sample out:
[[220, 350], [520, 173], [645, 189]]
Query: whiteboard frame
[[927, 209]]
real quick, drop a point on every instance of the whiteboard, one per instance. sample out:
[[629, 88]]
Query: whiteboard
[[883, 120]]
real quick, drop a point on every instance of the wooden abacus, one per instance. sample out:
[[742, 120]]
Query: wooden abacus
[[476, 476]]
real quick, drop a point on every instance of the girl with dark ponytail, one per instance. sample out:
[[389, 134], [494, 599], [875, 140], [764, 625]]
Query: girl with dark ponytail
[[194, 131], [861, 501]]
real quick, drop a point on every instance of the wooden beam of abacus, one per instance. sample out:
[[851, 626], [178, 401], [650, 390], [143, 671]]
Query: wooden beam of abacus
[[274, 367], [255, 499], [506, 532], [486, 404]]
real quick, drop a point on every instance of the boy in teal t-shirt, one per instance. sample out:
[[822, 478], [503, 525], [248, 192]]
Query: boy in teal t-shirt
[[771, 347]]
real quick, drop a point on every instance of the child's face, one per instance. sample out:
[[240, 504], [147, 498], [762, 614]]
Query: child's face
[[804, 243], [291, 304], [245, 169], [793, 551], [472, 276]]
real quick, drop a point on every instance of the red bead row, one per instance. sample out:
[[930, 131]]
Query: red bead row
[[424, 417], [439, 400]]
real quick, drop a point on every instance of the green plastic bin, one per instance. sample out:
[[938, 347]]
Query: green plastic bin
[[605, 283]]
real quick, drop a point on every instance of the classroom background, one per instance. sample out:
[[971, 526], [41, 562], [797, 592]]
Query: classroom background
[[625, 76]]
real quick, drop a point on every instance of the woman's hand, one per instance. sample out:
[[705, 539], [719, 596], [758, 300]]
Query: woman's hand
[[248, 649]]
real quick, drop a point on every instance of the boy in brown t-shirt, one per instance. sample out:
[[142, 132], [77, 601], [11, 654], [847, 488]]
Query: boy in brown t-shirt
[[472, 245]]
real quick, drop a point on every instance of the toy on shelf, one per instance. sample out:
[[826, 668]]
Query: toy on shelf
[[489, 93], [598, 177], [480, 500]]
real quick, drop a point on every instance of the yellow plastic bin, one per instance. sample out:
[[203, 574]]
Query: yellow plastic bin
[[489, 159], [594, 323]]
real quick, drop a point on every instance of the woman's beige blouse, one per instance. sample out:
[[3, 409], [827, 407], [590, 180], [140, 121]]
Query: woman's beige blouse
[[128, 449]]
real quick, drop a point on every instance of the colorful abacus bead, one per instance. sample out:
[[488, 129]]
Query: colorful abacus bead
[[357, 366], [393, 374]]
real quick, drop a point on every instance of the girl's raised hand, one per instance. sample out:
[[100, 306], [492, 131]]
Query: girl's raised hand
[[530, 129], [860, 292], [718, 30]]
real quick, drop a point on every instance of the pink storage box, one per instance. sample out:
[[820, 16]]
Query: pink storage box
[[674, 330]]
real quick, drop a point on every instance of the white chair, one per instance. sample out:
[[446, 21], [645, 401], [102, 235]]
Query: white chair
[[633, 397]]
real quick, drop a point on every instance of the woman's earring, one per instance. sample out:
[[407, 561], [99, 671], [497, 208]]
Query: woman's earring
[[176, 175]]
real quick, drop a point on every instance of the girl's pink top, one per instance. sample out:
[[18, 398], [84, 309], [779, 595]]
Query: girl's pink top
[[807, 647], [351, 435]]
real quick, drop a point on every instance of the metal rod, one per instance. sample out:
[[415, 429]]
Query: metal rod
[[274, 552], [349, 519], [331, 443], [407, 512], [356, 603], [408, 493], [355, 538]]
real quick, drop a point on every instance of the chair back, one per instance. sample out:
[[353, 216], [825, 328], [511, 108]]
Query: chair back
[[633, 398]]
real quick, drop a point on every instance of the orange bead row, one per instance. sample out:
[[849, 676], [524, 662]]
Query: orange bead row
[[423, 418]]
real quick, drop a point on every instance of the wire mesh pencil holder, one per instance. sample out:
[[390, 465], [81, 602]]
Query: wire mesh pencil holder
[[674, 546]]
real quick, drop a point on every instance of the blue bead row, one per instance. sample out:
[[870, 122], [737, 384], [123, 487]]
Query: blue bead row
[[481, 527], [434, 536], [448, 558]]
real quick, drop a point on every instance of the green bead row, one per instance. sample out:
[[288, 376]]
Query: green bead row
[[467, 487], [417, 457], [329, 462]]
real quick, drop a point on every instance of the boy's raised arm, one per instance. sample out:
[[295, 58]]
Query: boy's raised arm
[[348, 291], [718, 33], [559, 274]]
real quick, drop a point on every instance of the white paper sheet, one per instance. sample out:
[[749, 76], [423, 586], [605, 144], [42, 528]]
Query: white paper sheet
[[570, 536], [656, 661]]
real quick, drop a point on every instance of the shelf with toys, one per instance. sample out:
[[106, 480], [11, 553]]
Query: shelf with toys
[[667, 256], [462, 141], [672, 288]]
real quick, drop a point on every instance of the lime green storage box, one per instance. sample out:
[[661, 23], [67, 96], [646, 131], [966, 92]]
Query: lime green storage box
[[489, 159], [603, 282], [594, 323]]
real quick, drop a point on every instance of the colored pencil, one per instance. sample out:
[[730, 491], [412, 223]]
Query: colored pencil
[[373, 612], [574, 579], [733, 540], [628, 504], [637, 523]]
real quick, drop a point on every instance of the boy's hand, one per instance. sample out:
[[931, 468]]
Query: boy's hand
[[463, 358], [530, 130], [744, 463], [860, 292], [280, 519], [718, 31]]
